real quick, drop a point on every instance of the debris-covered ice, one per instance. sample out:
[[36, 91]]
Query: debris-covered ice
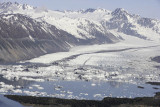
[[121, 63]]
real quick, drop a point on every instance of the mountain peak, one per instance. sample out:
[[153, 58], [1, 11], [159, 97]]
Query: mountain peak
[[119, 11], [89, 10], [14, 6], [9, 3], [16, 3], [102, 10], [5, 5]]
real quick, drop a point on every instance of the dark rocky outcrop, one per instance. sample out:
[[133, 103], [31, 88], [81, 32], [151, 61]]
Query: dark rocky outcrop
[[123, 22], [23, 38], [156, 59], [106, 102]]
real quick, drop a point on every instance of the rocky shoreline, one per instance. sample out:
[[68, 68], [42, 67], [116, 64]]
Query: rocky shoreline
[[106, 102]]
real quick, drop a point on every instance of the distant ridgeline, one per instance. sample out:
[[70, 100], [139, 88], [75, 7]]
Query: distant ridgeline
[[42, 31]]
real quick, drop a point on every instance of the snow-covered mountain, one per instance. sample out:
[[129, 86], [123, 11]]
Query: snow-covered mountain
[[84, 23], [22, 38], [69, 28]]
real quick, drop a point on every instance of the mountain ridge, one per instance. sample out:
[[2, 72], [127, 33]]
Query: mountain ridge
[[23, 38], [67, 29]]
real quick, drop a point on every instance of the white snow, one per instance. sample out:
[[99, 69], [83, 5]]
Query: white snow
[[31, 38], [5, 87], [78, 23], [130, 42], [38, 87], [126, 61]]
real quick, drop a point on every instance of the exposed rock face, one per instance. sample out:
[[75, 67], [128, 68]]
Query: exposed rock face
[[23, 38], [27, 31], [132, 25]]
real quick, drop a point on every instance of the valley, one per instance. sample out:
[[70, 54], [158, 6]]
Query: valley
[[87, 54], [122, 67]]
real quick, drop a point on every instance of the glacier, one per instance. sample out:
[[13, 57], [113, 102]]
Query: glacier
[[107, 54]]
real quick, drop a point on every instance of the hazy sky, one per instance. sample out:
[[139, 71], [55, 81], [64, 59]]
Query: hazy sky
[[146, 8]]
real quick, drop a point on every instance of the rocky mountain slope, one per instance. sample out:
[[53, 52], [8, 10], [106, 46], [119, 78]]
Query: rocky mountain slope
[[28, 32], [23, 38]]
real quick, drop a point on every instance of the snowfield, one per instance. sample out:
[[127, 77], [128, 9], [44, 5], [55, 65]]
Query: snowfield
[[120, 69], [124, 63], [84, 23]]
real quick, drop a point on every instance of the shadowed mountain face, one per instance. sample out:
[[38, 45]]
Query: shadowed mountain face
[[23, 38], [132, 25], [27, 32]]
